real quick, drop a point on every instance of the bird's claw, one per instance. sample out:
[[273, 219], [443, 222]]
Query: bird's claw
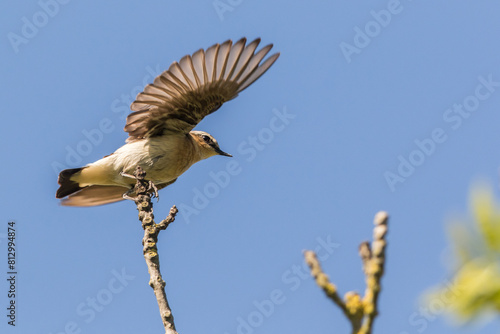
[[153, 187]]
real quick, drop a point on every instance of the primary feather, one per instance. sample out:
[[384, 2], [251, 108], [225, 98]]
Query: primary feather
[[196, 86]]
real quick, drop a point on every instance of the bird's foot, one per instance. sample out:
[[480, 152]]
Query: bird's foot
[[155, 190], [127, 193], [151, 186]]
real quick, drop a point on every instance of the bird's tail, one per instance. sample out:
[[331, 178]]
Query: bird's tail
[[91, 195], [95, 195], [88, 195], [67, 186]]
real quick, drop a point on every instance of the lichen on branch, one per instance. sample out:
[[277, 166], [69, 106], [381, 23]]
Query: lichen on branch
[[360, 311]]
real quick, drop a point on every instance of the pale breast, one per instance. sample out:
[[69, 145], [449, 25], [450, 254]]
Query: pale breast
[[167, 157]]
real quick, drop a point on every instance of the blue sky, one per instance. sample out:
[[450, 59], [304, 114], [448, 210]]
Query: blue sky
[[380, 105]]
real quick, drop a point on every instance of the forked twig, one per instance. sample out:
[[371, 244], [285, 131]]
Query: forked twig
[[361, 312]]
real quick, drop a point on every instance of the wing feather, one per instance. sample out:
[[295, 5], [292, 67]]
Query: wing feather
[[234, 57], [245, 58], [199, 68], [222, 59], [210, 61], [164, 78], [175, 74], [196, 86], [257, 73], [186, 65]]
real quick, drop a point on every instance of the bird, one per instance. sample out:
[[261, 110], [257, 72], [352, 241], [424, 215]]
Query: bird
[[161, 139]]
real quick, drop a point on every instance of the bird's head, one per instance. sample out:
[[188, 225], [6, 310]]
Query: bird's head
[[207, 144]]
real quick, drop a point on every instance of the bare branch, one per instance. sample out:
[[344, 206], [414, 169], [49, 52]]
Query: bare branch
[[374, 271], [361, 312], [365, 252], [149, 241], [352, 306]]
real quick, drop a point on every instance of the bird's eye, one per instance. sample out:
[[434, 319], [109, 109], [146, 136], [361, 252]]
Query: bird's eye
[[206, 138]]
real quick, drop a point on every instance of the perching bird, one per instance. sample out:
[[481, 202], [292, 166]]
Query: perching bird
[[161, 139]]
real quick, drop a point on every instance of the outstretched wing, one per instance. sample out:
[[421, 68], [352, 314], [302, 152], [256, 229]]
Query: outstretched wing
[[195, 87]]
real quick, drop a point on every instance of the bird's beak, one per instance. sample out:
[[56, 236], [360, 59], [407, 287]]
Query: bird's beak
[[221, 152]]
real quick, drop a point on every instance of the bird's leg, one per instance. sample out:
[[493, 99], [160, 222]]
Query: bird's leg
[[127, 193], [122, 173], [153, 187]]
